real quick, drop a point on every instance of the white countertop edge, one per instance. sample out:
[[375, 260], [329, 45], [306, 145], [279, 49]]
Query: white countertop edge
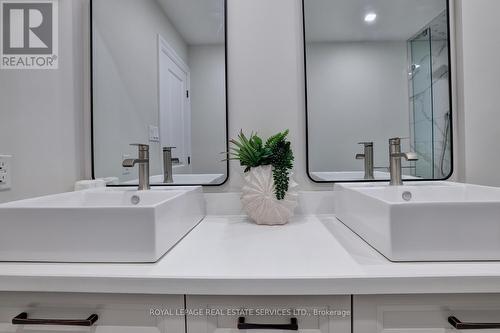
[[254, 287]]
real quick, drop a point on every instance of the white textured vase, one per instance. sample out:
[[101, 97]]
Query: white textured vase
[[259, 199]]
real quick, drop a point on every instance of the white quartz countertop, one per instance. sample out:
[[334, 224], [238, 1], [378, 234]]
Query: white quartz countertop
[[228, 255]]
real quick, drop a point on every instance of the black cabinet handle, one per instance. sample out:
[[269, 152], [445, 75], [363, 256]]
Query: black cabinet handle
[[22, 319], [471, 326], [293, 326]]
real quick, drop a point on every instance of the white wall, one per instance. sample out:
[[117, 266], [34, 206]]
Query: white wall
[[480, 127], [266, 78], [126, 80], [41, 115], [357, 91], [208, 107]]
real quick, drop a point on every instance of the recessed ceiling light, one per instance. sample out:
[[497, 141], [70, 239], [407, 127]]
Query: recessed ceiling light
[[370, 17]]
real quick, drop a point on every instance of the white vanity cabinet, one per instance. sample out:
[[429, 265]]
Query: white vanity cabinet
[[221, 314], [424, 313], [116, 313]]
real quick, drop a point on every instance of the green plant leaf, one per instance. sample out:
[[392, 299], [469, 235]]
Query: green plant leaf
[[252, 152]]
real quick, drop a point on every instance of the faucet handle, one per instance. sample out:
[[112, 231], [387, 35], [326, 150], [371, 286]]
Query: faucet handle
[[141, 146], [360, 156], [366, 144], [165, 149]]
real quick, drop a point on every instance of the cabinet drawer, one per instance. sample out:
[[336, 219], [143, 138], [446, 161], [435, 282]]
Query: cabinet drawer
[[313, 314], [116, 313], [424, 313]]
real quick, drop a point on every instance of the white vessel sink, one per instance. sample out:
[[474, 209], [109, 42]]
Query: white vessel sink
[[185, 179], [428, 221], [99, 225]]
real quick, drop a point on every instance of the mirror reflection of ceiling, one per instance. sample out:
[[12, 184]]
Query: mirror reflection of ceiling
[[198, 22], [397, 20]]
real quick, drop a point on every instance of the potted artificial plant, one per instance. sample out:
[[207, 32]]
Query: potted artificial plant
[[269, 195]]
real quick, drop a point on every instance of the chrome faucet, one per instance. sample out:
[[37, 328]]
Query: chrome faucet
[[395, 156], [368, 157], [143, 161], [168, 176]]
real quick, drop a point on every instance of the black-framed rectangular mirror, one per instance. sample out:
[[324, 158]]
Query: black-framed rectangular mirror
[[376, 70], [159, 75]]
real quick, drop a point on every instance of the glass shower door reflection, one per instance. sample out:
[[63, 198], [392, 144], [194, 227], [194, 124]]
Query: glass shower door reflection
[[421, 103]]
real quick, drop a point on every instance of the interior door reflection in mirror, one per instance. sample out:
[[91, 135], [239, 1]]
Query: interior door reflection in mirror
[[159, 78], [375, 70]]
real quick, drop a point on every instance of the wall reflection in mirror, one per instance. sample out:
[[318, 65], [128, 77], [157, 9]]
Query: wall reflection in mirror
[[159, 79], [375, 70]]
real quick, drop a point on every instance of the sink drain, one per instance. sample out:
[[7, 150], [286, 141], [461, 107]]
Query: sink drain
[[135, 200], [407, 196]]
